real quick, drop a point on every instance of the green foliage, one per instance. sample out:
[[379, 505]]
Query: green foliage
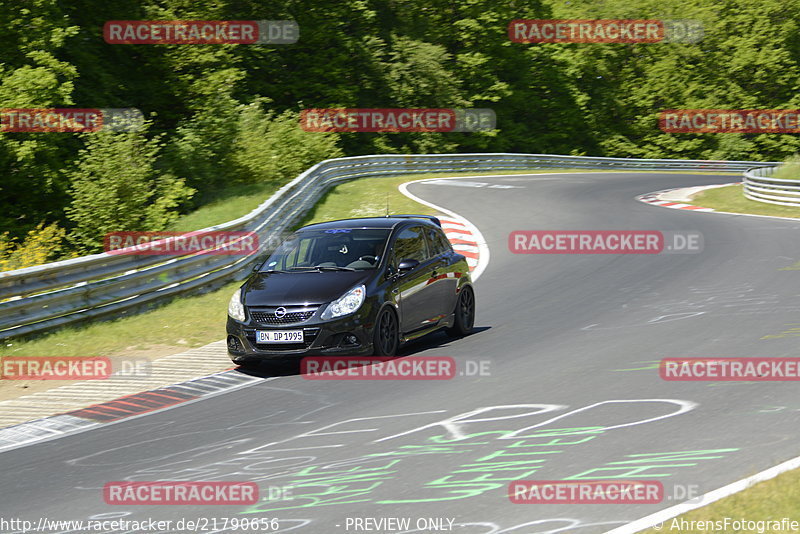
[[116, 186], [226, 115], [272, 148], [42, 244], [202, 148], [33, 75], [748, 59]]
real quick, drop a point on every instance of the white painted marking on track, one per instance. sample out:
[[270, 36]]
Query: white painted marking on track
[[455, 184]]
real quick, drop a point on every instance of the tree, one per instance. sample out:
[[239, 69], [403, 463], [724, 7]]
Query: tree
[[116, 185], [272, 147]]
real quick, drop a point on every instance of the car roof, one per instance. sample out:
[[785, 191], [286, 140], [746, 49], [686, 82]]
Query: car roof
[[374, 222]]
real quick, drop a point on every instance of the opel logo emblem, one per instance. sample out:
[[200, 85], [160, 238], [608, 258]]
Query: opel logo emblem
[[280, 312]]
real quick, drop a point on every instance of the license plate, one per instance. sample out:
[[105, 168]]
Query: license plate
[[279, 336]]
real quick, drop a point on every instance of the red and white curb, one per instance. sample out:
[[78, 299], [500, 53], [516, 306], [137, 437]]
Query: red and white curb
[[463, 241], [674, 198], [679, 198], [192, 364], [465, 237]]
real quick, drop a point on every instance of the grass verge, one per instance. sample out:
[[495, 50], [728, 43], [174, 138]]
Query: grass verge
[[181, 324], [731, 199], [233, 202], [770, 500], [367, 197]]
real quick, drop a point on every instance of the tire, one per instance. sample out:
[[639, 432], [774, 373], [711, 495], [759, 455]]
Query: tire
[[386, 336], [464, 314]]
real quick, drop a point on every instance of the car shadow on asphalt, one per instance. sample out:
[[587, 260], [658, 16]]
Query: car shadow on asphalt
[[291, 367]]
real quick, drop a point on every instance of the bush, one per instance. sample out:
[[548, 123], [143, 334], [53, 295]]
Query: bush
[[274, 148], [41, 245], [116, 186], [202, 145]]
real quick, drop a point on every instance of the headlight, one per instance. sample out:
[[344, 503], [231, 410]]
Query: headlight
[[235, 306], [348, 303]]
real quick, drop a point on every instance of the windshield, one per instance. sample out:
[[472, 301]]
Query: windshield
[[332, 249]]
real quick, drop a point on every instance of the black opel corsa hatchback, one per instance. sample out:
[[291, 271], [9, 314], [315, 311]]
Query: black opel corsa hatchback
[[352, 287]]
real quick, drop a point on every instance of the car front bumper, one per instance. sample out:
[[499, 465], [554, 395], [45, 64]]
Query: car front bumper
[[320, 338]]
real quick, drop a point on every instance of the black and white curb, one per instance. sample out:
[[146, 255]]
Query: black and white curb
[[122, 408]]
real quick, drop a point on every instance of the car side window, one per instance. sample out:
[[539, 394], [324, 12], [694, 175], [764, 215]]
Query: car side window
[[437, 242], [411, 245]]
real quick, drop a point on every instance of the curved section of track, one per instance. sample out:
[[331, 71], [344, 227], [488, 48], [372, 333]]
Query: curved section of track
[[559, 382]]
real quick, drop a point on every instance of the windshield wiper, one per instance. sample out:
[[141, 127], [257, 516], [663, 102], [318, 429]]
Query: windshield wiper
[[332, 268]]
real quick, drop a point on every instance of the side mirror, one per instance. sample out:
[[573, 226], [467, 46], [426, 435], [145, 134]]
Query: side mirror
[[407, 264], [259, 262]]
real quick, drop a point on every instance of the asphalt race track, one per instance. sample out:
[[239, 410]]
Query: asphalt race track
[[569, 346]]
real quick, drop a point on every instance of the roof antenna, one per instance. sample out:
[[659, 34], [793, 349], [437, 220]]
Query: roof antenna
[[387, 203]]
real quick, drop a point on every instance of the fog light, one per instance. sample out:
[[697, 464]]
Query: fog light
[[234, 345], [350, 339]]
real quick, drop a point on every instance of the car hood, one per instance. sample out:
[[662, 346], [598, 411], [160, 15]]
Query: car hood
[[297, 289]]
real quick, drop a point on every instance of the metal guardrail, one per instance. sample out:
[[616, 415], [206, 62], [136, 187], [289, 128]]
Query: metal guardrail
[[760, 185], [48, 296]]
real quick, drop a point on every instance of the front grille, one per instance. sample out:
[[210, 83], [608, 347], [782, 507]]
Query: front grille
[[292, 315]]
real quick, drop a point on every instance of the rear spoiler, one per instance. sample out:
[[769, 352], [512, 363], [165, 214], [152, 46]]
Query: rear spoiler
[[434, 220]]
